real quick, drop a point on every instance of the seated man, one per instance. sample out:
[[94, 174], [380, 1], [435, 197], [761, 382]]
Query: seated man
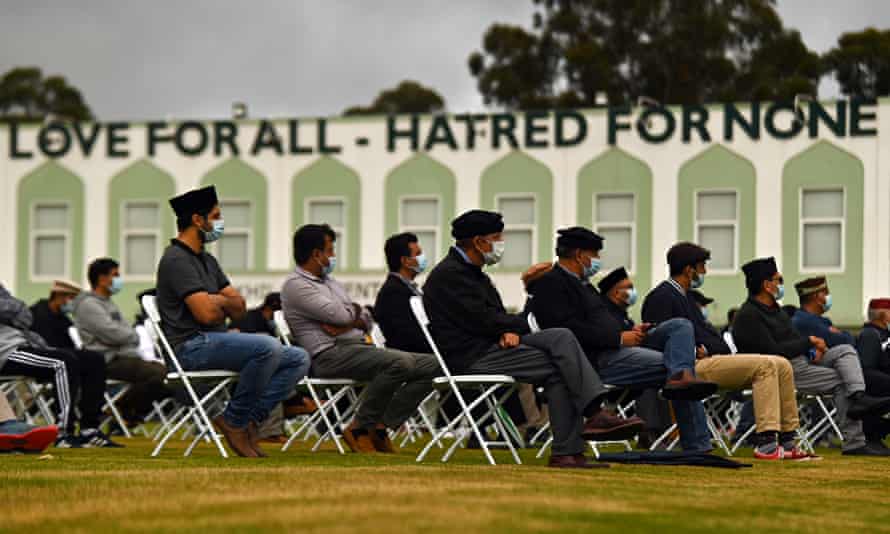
[[477, 335], [762, 326], [405, 260], [872, 346], [333, 328], [16, 436], [24, 352], [810, 320], [770, 377], [564, 297], [195, 298], [103, 329]]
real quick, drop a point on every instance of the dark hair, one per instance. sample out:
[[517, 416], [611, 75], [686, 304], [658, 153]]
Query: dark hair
[[565, 252], [272, 300], [100, 267], [730, 315], [185, 221], [397, 247], [310, 237]]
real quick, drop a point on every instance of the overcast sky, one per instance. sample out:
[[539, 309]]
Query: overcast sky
[[192, 59]]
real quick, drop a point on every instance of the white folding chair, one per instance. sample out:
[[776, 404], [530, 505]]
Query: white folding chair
[[218, 379], [120, 389], [812, 429], [334, 389], [487, 385]]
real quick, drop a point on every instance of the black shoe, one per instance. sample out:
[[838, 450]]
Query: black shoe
[[869, 449], [68, 441], [97, 438], [867, 405]]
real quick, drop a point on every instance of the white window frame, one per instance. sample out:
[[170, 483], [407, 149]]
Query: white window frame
[[696, 224], [341, 231], [34, 233], [619, 226], [126, 232], [802, 222], [249, 231], [514, 226], [423, 228]]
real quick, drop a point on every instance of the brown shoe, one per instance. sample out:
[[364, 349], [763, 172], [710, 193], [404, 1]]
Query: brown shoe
[[575, 461], [685, 386], [381, 441], [606, 426], [253, 436], [295, 407], [274, 440], [358, 439], [236, 437]]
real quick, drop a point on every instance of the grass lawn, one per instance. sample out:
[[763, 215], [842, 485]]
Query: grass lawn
[[93, 490]]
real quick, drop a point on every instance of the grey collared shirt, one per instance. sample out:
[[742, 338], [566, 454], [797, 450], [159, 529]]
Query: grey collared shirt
[[309, 301]]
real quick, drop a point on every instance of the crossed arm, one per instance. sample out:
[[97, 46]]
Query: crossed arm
[[213, 308]]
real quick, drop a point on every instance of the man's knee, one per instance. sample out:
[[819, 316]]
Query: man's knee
[[294, 357], [401, 363], [676, 325]]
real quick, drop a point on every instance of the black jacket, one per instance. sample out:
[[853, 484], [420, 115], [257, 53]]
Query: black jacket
[[870, 346], [561, 300], [467, 316], [665, 302], [253, 322], [761, 329], [393, 312], [52, 327]]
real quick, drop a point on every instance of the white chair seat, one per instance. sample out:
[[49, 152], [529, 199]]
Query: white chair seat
[[442, 381], [328, 382], [199, 375]]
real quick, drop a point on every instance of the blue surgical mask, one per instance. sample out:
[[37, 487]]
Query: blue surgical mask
[[326, 270], [68, 307], [219, 227], [595, 265], [117, 283], [780, 292], [421, 264], [631, 296], [698, 281], [827, 305]]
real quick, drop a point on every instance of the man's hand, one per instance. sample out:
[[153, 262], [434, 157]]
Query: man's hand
[[818, 344], [834, 330], [534, 272], [334, 330], [817, 358], [509, 340], [632, 338]]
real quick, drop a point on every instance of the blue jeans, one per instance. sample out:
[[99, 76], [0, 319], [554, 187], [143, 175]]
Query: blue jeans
[[644, 368], [268, 371], [675, 338]]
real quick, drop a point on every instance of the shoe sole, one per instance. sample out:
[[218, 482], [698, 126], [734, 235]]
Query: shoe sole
[[33, 441], [618, 433], [690, 393]]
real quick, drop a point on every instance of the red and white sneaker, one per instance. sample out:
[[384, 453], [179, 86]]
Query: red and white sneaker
[[796, 454], [777, 454]]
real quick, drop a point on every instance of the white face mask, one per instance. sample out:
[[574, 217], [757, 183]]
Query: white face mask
[[495, 254]]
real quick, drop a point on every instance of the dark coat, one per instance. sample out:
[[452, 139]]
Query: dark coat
[[467, 316], [871, 348], [665, 302], [562, 300], [761, 329], [393, 313]]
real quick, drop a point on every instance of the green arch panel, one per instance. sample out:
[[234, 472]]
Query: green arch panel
[[327, 177], [824, 164], [236, 180], [421, 175], [50, 182], [616, 171], [518, 172], [713, 169], [140, 181]]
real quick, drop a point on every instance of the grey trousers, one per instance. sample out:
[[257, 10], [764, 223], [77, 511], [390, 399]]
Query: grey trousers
[[551, 358], [396, 381], [840, 374]]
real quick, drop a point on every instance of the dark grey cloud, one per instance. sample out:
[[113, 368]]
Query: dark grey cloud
[[194, 58]]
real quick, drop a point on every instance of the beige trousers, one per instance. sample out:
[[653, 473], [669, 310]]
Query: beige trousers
[[771, 379], [6, 412]]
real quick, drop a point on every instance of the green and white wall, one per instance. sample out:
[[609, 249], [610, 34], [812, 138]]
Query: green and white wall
[[819, 205]]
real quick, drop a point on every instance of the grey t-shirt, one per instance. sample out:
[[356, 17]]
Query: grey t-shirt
[[181, 273]]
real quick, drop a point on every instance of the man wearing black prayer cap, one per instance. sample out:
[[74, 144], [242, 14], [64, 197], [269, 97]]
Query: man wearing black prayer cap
[[564, 297], [195, 298], [477, 335], [762, 326]]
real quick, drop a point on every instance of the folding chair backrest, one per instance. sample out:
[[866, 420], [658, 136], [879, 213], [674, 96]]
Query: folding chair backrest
[[281, 327], [424, 321], [150, 305], [75, 337], [730, 342], [533, 323], [377, 336]]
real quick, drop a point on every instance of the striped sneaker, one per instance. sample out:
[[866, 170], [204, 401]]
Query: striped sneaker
[[93, 437], [796, 454], [68, 441], [763, 452]]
